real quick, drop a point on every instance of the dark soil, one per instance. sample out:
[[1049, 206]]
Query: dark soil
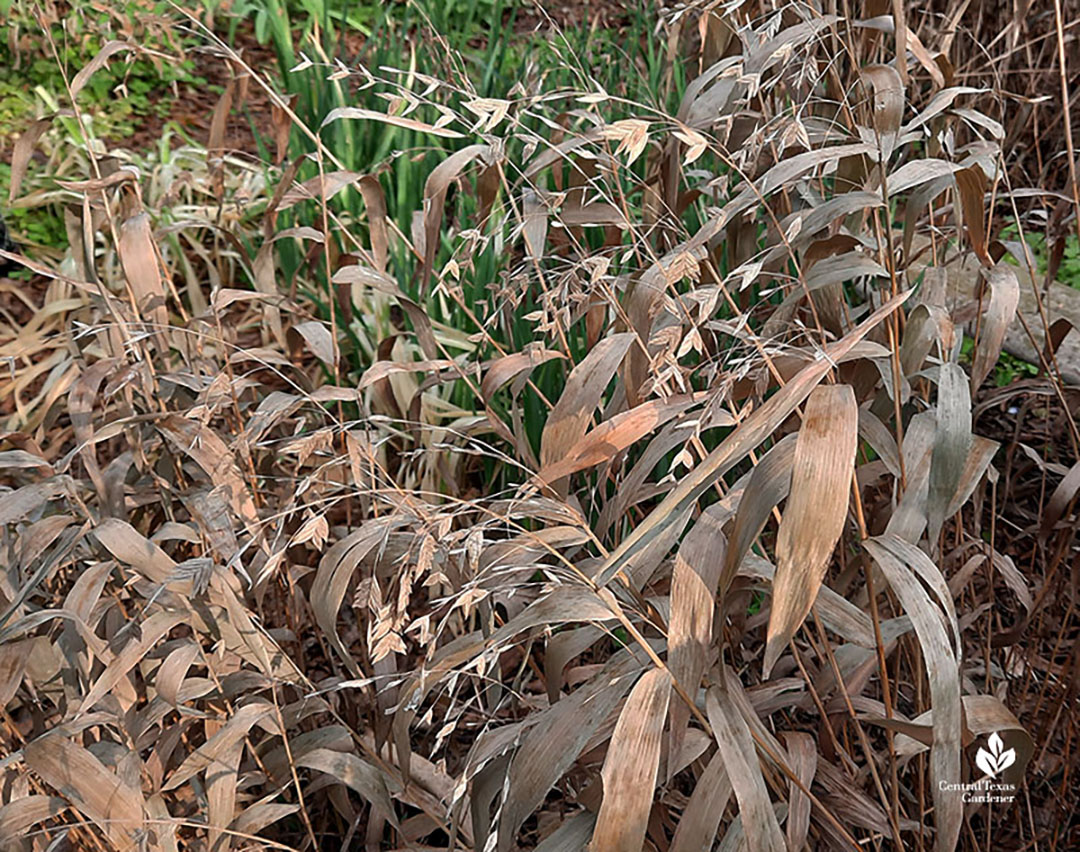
[[193, 110], [1039, 651]]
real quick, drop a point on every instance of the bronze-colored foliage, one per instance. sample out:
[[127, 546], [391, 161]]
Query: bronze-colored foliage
[[298, 555]]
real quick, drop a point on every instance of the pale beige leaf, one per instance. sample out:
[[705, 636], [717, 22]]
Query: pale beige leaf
[[89, 786], [770, 482], [210, 452], [256, 817], [125, 543], [815, 511], [701, 818], [138, 255], [897, 560], [753, 430], [319, 340], [614, 435], [631, 766], [803, 759], [221, 780], [150, 632], [332, 579], [888, 105], [319, 188], [16, 505], [554, 742], [507, 367], [211, 755], [172, 672], [572, 414], [354, 773], [690, 629], [381, 369], [999, 313], [743, 771], [96, 64], [395, 120], [21, 814], [435, 189], [23, 150], [951, 444], [12, 666]]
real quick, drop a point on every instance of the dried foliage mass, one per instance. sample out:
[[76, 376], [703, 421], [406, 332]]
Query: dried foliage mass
[[622, 494]]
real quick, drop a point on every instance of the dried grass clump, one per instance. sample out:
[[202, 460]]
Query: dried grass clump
[[328, 556]]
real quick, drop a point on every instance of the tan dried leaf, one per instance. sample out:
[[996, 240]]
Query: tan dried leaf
[[815, 511]]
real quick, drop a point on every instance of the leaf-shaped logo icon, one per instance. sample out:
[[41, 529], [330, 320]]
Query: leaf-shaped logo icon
[[997, 759]]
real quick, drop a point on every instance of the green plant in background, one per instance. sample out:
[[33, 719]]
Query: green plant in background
[[480, 59], [1008, 369], [45, 47], [36, 61], [1068, 272]]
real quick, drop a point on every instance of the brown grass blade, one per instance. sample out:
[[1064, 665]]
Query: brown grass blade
[[221, 790], [132, 548], [209, 754], [356, 774], [17, 504], [172, 672], [803, 760], [690, 628], [375, 203], [1004, 299], [209, 452], [510, 366], [815, 512], [332, 579], [395, 120], [613, 436], [951, 444], [987, 714], [556, 740], [150, 631], [631, 765], [81, 408], [770, 482], [1060, 500], [701, 819], [110, 49], [19, 815], [319, 188], [897, 560], [971, 184], [23, 150], [888, 107], [744, 772], [573, 412], [89, 786], [435, 189]]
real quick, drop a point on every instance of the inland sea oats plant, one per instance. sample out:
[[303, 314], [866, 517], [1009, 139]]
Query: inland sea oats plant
[[582, 458]]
